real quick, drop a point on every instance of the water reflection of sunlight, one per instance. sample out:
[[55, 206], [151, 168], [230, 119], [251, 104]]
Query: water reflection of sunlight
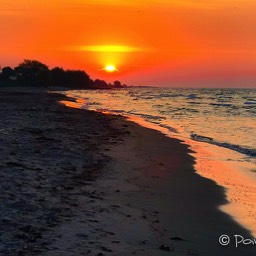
[[73, 104]]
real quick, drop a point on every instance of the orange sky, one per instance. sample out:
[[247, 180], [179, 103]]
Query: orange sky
[[151, 42]]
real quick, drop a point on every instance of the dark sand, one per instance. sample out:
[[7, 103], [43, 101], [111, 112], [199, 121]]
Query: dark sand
[[76, 182]]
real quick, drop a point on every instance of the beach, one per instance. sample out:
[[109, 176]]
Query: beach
[[79, 182]]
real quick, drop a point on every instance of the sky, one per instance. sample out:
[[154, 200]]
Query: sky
[[206, 43]]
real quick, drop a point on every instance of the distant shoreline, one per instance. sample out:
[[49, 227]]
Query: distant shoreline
[[37, 74]]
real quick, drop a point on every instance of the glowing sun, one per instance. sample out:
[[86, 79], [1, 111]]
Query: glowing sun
[[110, 68]]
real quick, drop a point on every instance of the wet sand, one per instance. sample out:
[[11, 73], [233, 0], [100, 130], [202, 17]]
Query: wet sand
[[235, 176], [76, 182]]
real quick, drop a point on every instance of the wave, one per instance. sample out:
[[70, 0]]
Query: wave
[[195, 102], [193, 96], [169, 128], [244, 150], [221, 104], [147, 116], [168, 95], [249, 102]]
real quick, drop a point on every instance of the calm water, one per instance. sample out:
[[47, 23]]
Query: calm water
[[223, 117]]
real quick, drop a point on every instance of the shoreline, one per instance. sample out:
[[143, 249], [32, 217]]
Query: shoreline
[[235, 176], [221, 193], [102, 185], [213, 162]]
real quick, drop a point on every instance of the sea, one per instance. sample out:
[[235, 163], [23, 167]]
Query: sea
[[222, 117], [218, 125]]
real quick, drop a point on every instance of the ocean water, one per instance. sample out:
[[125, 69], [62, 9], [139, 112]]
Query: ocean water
[[222, 117]]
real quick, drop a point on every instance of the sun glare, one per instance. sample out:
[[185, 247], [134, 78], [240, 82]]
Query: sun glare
[[110, 68], [108, 48]]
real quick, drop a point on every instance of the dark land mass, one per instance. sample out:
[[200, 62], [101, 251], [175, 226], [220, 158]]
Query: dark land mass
[[32, 73]]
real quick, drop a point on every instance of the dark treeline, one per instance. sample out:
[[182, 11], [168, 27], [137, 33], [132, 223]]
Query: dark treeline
[[36, 74]]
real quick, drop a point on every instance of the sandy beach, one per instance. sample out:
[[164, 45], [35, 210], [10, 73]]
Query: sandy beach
[[77, 182]]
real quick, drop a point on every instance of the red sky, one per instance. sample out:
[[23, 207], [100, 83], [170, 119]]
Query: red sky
[[151, 42]]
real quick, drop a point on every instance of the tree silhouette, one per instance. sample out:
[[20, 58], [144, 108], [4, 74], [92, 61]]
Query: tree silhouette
[[100, 84], [35, 73], [32, 72], [58, 77], [78, 79], [117, 84], [7, 72], [75, 79]]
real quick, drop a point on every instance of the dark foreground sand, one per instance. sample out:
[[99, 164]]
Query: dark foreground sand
[[75, 182]]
